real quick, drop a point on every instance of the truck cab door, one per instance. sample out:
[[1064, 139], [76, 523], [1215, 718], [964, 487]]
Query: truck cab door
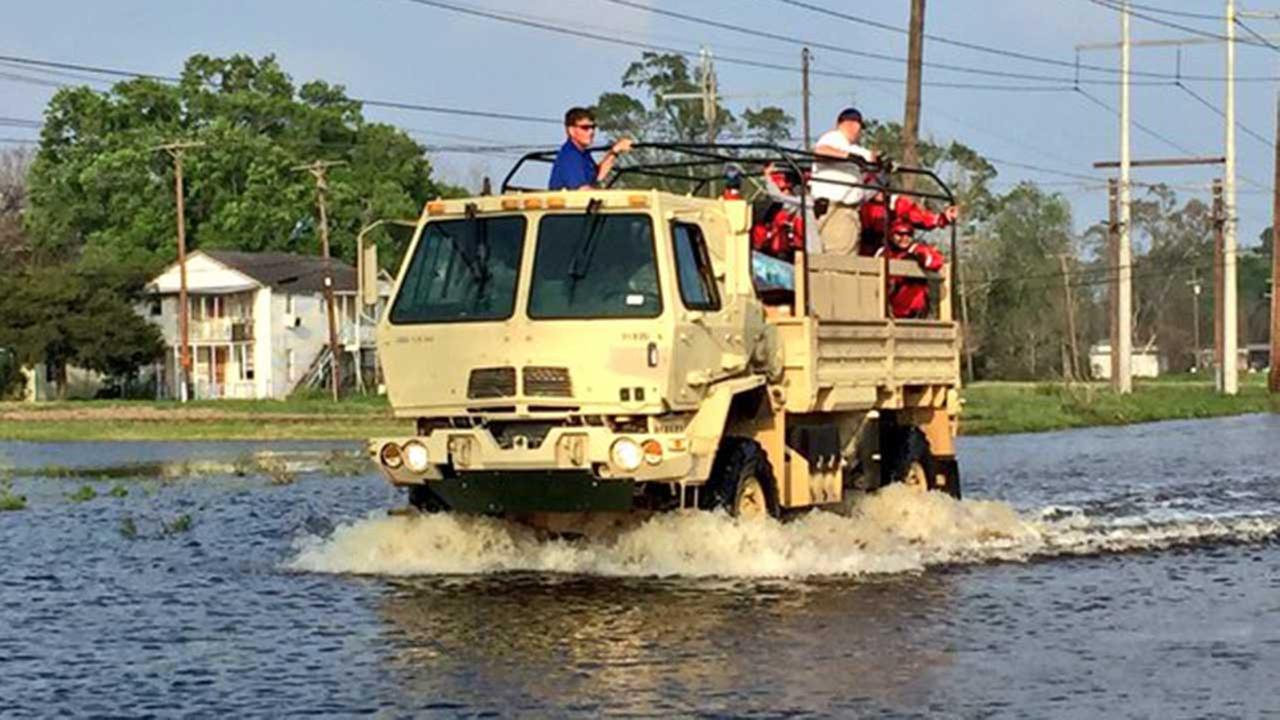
[[707, 346]]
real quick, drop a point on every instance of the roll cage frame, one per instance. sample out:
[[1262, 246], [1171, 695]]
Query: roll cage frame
[[708, 164]]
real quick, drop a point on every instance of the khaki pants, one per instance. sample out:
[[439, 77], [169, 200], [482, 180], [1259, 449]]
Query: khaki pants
[[840, 229]]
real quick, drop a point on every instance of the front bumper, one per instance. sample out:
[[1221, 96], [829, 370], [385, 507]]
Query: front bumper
[[584, 450]]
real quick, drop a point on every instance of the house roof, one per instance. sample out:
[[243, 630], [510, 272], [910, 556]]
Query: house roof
[[286, 271]]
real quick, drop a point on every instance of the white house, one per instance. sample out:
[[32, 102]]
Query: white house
[[1144, 362], [258, 324]]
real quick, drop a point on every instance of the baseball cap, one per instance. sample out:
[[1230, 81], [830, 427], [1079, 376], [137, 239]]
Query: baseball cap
[[848, 114]]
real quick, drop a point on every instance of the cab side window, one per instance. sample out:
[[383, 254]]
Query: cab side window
[[693, 268]]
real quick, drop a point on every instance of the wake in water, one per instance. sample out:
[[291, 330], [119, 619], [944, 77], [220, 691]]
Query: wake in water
[[896, 530]]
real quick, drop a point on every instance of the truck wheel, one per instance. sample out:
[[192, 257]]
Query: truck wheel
[[425, 500], [742, 481], [909, 460]]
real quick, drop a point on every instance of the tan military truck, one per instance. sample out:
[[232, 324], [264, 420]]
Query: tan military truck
[[616, 350]]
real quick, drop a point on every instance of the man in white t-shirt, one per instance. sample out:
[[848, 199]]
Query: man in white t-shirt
[[841, 225]]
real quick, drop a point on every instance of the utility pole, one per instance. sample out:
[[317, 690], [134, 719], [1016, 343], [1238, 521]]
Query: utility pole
[[1194, 282], [176, 150], [709, 96], [1273, 382], [1071, 368], [1113, 260], [1124, 259], [1230, 383], [804, 91], [911, 119], [319, 170], [1219, 287]]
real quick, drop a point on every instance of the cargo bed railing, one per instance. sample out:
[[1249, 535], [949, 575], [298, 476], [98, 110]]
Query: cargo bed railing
[[701, 167]]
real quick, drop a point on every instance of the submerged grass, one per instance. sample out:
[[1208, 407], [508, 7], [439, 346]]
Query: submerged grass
[[9, 500]]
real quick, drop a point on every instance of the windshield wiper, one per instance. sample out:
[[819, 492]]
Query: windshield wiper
[[586, 243]]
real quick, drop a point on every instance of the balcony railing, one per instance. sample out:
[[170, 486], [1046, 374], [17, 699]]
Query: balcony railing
[[222, 330], [348, 336]]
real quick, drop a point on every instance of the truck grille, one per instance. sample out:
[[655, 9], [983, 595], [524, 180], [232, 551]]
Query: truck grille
[[492, 382], [547, 382]]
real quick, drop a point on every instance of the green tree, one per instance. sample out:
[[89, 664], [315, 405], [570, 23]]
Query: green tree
[[1017, 297], [101, 194], [647, 111], [79, 317]]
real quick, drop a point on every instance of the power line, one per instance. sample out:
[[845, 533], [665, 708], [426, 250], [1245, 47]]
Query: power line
[[439, 109], [1256, 34], [1152, 133], [1177, 13], [1218, 111], [547, 26], [1116, 7], [1057, 62], [801, 42]]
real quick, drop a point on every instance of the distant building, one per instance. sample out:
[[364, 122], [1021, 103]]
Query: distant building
[[1144, 363], [258, 324]]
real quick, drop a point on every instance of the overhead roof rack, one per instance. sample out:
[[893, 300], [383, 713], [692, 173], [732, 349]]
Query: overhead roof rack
[[701, 165]]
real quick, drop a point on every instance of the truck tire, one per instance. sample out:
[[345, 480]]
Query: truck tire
[[909, 460], [741, 481]]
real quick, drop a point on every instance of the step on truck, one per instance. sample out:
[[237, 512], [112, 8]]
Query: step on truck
[[626, 350]]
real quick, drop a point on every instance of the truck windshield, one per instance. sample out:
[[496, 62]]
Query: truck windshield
[[462, 271], [595, 266]]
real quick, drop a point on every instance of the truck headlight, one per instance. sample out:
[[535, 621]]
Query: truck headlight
[[391, 456], [626, 454], [415, 456]]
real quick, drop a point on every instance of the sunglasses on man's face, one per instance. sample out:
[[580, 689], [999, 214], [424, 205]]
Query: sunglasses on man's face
[[585, 127]]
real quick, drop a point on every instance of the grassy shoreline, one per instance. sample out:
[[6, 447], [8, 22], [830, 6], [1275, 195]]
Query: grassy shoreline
[[1001, 408], [991, 408]]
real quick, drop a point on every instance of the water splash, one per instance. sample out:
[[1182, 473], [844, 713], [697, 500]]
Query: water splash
[[897, 530]]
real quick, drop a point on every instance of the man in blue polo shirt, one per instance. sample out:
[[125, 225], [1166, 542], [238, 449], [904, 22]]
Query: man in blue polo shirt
[[574, 169]]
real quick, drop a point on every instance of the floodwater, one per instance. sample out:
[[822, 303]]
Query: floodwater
[[1118, 572]]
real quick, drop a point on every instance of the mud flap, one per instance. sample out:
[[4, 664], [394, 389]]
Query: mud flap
[[948, 469]]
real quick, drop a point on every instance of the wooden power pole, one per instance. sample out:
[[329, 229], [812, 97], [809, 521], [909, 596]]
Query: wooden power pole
[[1071, 368], [1113, 258], [915, 62], [1274, 380], [176, 150], [319, 170], [1219, 286], [804, 92]]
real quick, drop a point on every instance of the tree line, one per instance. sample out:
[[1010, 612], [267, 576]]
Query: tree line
[[88, 217]]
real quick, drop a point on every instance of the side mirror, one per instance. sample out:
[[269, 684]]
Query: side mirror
[[369, 274]]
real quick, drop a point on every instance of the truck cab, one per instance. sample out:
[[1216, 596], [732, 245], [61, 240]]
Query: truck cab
[[617, 351]]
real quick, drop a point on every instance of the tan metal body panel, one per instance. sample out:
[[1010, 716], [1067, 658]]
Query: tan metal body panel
[[834, 367]]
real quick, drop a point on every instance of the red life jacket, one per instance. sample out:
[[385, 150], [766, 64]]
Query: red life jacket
[[908, 296], [777, 231]]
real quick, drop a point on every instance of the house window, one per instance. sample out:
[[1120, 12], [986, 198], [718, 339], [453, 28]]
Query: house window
[[156, 308], [247, 362], [289, 369]]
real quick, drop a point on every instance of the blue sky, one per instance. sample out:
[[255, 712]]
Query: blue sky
[[399, 50]]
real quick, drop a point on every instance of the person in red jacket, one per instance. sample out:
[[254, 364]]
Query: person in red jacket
[[908, 296], [777, 228], [881, 210]]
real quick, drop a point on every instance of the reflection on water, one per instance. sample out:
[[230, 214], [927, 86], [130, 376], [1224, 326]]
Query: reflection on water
[[648, 647]]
